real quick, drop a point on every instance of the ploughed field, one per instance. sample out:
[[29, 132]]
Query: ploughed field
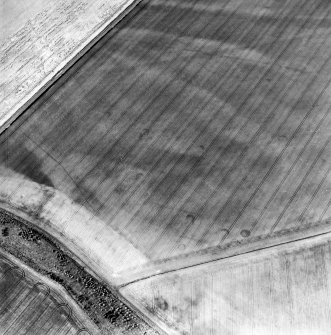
[[41, 38], [30, 307], [193, 130], [282, 291], [101, 303], [191, 126]]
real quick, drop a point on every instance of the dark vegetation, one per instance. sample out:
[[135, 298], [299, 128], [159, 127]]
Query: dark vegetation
[[5, 232], [98, 300]]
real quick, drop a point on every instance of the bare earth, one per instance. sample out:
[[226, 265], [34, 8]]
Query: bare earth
[[39, 38]]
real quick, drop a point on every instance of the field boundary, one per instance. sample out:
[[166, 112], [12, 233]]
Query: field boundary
[[237, 248], [63, 67], [53, 290]]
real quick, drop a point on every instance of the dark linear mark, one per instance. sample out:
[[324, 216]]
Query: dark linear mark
[[277, 234], [301, 216], [254, 87], [32, 167], [301, 183], [159, 160]]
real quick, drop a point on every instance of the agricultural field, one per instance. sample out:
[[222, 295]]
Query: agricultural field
[[30, 307], [40, 38], [277, 291], [99, 304], [193, 133], [190, 126]]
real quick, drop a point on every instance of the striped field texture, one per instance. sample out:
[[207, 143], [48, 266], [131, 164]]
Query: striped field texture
[[39, 38], [28, 307], [281, 291], [191, 125]]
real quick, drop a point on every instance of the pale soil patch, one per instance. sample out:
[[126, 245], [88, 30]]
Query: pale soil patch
[[40, 38], [281, 291], [89, 238]]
